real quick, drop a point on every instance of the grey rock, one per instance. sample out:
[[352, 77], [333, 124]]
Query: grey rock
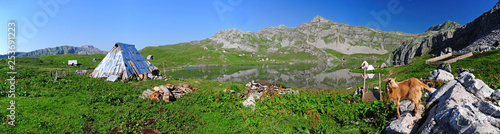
[[446, 97], [231, 91], [428, 94], [496, 94], [442, 75], [383, 65], [406, 122], [249, 102], [488, 108], [464, 118], [448, 50], [446, 67], [461, 70], [432, 90], [479, 88], [455, 110], [465, 78]]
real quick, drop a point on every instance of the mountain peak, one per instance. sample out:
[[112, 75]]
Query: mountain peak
[[320, 19], [447, 25]]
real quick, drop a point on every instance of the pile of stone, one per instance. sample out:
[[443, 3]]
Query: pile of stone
[[167, 92], [256, 88]]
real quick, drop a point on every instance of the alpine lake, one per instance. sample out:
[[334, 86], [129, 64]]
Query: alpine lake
[[299, 75]]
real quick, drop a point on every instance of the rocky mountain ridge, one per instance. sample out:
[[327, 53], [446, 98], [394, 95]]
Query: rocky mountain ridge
[[316, 35], [481, 34], [83, 50]]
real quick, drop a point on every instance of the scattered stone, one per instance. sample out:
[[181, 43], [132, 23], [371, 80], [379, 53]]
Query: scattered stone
[[231, 91], [383, 65], [407, 121], [258, 87], [448, 50], [461, 70], [445, 67], [250, 101], [442, 75]]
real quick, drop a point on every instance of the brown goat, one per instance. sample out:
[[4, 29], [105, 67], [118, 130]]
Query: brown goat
[[409, 89]]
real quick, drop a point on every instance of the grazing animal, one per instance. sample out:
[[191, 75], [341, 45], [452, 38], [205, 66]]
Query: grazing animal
[[409, 89]]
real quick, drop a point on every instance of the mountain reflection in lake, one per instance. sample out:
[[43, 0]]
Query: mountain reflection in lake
[[300, 75]]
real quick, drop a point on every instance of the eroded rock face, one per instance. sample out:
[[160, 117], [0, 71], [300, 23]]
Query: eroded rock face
[[459, 107], [466, 118], [481, 34]]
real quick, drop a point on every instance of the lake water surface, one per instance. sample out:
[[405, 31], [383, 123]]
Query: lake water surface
[[300, 75]]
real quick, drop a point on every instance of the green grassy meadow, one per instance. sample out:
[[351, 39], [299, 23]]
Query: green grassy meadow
[[80, 104]]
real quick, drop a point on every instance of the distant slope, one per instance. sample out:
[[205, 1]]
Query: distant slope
[[318, 40], [83, 50], [209, 53]]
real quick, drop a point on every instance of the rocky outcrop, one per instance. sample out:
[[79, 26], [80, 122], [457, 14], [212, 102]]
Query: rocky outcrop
[[420, 46], [482, 34], [459, 106], [316, 35], [454, 108]]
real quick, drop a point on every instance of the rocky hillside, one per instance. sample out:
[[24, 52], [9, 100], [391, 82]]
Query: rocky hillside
[[409, 49], [83, 50], [313, 37], [482, 34]]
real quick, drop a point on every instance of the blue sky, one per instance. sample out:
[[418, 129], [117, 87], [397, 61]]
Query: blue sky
[[101, 23]]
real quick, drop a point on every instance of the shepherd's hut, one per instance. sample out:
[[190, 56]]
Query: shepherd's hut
[[125, 62]]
